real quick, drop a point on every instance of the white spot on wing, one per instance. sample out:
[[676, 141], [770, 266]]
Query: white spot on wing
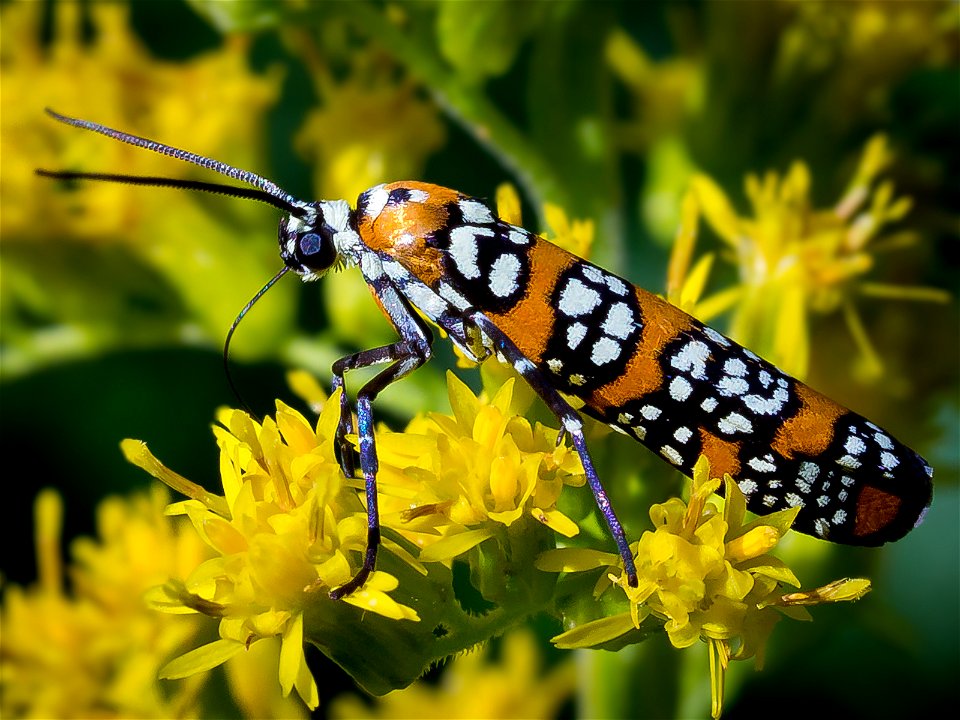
[[650, 412], [463, 248], [475, 212], [747, 486], [888, 460], [735, 366], [577, 299], [733, 423], [604, 350], [505, 275], [729, 386], [616, 285], [376, 201], [592, 274], [692, 358], [680, 389], [672, 455], [519, 237], [575, 334], [761, 465], [716, 337], [619, 321]]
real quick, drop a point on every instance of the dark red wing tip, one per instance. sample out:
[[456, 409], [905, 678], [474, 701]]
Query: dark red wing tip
[[886, 514]]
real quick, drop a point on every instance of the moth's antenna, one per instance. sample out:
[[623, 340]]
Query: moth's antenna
[[250, 178], [226, 343], [220, 188]]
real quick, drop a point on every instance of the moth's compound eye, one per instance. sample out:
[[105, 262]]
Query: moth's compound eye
[[310, 245], [316, 250]]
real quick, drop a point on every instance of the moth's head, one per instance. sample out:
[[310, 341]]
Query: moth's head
[[316, 237]]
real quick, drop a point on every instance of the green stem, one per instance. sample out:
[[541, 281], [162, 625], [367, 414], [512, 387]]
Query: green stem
[[467, 104]]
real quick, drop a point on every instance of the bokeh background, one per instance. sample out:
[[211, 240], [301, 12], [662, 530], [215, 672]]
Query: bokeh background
[[116, 299]]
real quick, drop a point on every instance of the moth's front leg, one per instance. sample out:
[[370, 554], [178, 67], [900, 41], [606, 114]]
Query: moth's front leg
[[345, 452]]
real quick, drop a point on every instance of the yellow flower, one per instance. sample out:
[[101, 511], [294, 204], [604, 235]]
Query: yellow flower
[[113, 79], [283, 532], [793, 259], [452, 482], [369, 129], [94, 66], [705, 575], [96, 651], [476, 686]]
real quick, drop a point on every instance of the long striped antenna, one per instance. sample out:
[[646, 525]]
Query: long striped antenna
[[271, 189], [263, 190]]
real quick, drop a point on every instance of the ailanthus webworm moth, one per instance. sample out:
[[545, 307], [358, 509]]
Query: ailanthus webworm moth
[[570, 328]]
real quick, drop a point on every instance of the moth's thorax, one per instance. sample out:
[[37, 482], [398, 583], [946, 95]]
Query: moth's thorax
[[401, 220]]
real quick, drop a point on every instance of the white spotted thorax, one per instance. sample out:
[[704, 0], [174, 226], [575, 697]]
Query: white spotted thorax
[[570, 328]]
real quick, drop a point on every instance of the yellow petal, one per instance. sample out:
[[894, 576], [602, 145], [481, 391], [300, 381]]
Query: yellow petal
[[203, 658], [556, 521], [574, 560], [508, 204], [136, 452], [716, 208], [291, 653], [454, 544], [845, 590], [595, 632]]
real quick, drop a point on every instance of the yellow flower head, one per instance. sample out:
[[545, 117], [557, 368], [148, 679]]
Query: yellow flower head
[[282, 531], [113, 79], [96, 651], [452, 481], [705, 574], [370, 129], [794, 259]]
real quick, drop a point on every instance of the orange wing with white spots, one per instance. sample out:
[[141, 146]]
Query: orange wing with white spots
[[650, 370]]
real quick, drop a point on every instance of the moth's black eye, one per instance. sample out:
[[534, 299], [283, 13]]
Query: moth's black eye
[[309, 244], [316, 250]]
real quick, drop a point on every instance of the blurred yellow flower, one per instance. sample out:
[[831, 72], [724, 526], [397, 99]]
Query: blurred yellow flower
[[475, 685], [111, 78], [451, 482], [793, 259], [282, 531], [705, 575], [96, 651], [846, 36], [370, 128], [663, 92]]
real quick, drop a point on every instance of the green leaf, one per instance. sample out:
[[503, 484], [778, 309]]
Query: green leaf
[[481, 39], [240, 15]]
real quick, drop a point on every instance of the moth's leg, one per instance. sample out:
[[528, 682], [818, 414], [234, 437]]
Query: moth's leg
[[365, 358], [407, 354], [571, 424]]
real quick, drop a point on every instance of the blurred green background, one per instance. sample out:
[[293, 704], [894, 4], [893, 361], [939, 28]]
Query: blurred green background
[[115, 300]]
